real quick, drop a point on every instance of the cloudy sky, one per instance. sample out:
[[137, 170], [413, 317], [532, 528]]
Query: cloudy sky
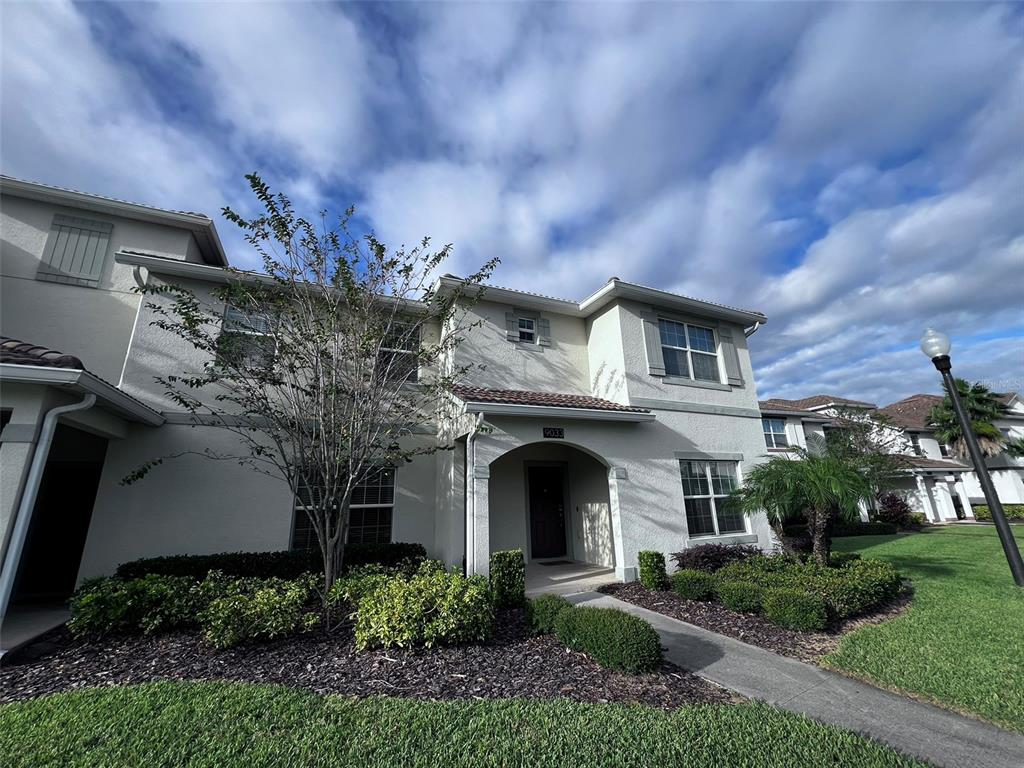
[[855, 172]]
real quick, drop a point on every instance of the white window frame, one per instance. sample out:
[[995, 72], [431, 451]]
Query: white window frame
[[690, 351], [246, 324], [771, 436], [712, 497], [528, 332]]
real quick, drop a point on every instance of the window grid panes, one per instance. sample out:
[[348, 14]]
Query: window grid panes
[[397, 358], [775, 433], [527, 330], [370, 511], [706, 489], [689, 351], [246, 340]]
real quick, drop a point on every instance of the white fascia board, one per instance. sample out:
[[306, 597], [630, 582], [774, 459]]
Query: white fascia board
[[106, 393], [555, 412], [617, 289], [520, 299]]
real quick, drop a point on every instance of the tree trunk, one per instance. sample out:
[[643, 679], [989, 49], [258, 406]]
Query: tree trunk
[[820, 530]]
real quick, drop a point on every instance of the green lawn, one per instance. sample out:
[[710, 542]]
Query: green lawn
[[961, 643], [236, 724]]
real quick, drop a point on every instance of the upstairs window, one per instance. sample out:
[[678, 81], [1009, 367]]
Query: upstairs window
[[399, 354], [370, 516], [246, 340], [527, 330], [689, 351], [915, 444], [75, 251], [706, 489], [944, 450], [775, 433]]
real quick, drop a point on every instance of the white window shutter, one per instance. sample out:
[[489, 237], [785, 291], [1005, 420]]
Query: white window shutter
[[544, 332], [512, 326], [733, 372]]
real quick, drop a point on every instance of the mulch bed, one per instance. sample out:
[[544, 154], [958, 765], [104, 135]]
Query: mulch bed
[[513, 664], [749, 627]]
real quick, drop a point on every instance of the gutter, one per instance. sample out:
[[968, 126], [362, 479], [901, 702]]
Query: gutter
[[13, 552], [555, 412], [86, 383]]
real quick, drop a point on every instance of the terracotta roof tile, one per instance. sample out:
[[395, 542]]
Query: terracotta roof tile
[[23, 353], [911, 412], [550, 399], [817, 401], [784, 406], [922, 462]]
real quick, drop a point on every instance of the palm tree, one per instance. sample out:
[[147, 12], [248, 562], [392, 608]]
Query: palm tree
[[983, 408], [821, 485], [1015, 447]]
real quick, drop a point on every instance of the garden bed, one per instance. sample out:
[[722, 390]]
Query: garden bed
[[751, 628], [513, 664]]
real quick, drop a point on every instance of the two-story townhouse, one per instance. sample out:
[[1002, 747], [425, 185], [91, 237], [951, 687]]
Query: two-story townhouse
[[590, 430]]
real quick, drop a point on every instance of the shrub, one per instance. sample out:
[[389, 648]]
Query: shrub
[[357, 583], [652, 570], [271, 609], [841, 529], [289, 564], [613, 638], [794, 609], [742, 596], [892, 508], [508, 578], [917, 520], [543, 610], [839, 559], [1012, 511], [150, 605], [430, 608], [712, 557], [693, 585]]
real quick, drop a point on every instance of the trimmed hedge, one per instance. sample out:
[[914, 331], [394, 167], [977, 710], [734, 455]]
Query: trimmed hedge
[[1012, 511], [694, 585], [543, 610], [431, 608], [288, 564], [613, 638], [508, 578], [652, 569], [841, 529], [795, 609], [273, 609], [712, 557], [743, 596]]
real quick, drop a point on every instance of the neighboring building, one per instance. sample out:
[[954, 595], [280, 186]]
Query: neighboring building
[[613, 424]]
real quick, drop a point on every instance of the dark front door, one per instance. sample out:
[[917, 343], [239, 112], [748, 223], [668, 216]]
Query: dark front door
[[547, 511]]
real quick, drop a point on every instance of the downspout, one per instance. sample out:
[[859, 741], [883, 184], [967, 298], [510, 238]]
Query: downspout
[[12, 557], [471, 501], [748, 332]]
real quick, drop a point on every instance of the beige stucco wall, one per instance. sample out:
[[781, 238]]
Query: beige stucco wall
[[606, 356]]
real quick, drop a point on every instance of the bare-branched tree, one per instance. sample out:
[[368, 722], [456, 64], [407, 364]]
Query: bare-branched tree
[[327, 365]]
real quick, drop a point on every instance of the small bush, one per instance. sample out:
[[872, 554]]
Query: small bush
[[693, 585], [543, 610], [357, 583], [150, 605], [793, 609], [428, 609], [839, 559], [892, 508], [274, 608], [613, 638], [841, 529], [652, 570], [508, 578], [289, 564], [917, 520], [1012, 512], [742, 596], [712, 557]]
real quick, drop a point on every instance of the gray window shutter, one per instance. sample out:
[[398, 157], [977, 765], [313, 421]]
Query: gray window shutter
[[512, 326], [732, 359], [652, 341], [543, 332], [75, 251]]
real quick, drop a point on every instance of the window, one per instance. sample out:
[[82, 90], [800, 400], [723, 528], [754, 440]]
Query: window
[[398, 357], [944, 450], [915, 443], [706, 488], [527, 330], [775, 433], [75, 251], [689, 351], [246, 340], [369, 516]]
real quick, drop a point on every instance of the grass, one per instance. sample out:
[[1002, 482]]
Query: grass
[[961, 643], [236, 724]]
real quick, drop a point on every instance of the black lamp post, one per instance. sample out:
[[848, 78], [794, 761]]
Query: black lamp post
[[935, 344]]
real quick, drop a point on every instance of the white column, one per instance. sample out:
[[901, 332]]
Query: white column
[[924, 494], [480, 522], [616, 476], [965, 500], [943, 501]]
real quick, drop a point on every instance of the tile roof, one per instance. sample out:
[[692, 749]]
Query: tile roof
[[911, 412], [23, 353], [922, 462], [819, 401], [549, 399], [784, 406]]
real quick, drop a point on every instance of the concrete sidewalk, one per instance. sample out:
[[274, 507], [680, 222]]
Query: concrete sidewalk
[[929, 733]]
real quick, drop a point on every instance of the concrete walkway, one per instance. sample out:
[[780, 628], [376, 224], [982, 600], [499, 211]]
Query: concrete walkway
[[929, 733]]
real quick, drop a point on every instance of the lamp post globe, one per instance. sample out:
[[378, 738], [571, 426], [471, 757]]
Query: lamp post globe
[[935, 344]]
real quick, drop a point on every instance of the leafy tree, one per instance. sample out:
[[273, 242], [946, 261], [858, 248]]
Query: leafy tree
[[1015, 447], [325, 365], [872, 443], [821, 485], [983, 408]]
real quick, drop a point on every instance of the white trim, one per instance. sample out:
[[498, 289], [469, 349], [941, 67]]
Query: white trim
[[82, 381], [554, 412]]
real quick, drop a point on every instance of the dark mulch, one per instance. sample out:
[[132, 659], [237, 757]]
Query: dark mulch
[[513, 664], [749, 627]]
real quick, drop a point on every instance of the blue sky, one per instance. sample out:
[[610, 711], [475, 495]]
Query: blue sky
[[856, 172]]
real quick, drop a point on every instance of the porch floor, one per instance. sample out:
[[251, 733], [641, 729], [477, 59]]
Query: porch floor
[[23, 625], [566, 579]]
